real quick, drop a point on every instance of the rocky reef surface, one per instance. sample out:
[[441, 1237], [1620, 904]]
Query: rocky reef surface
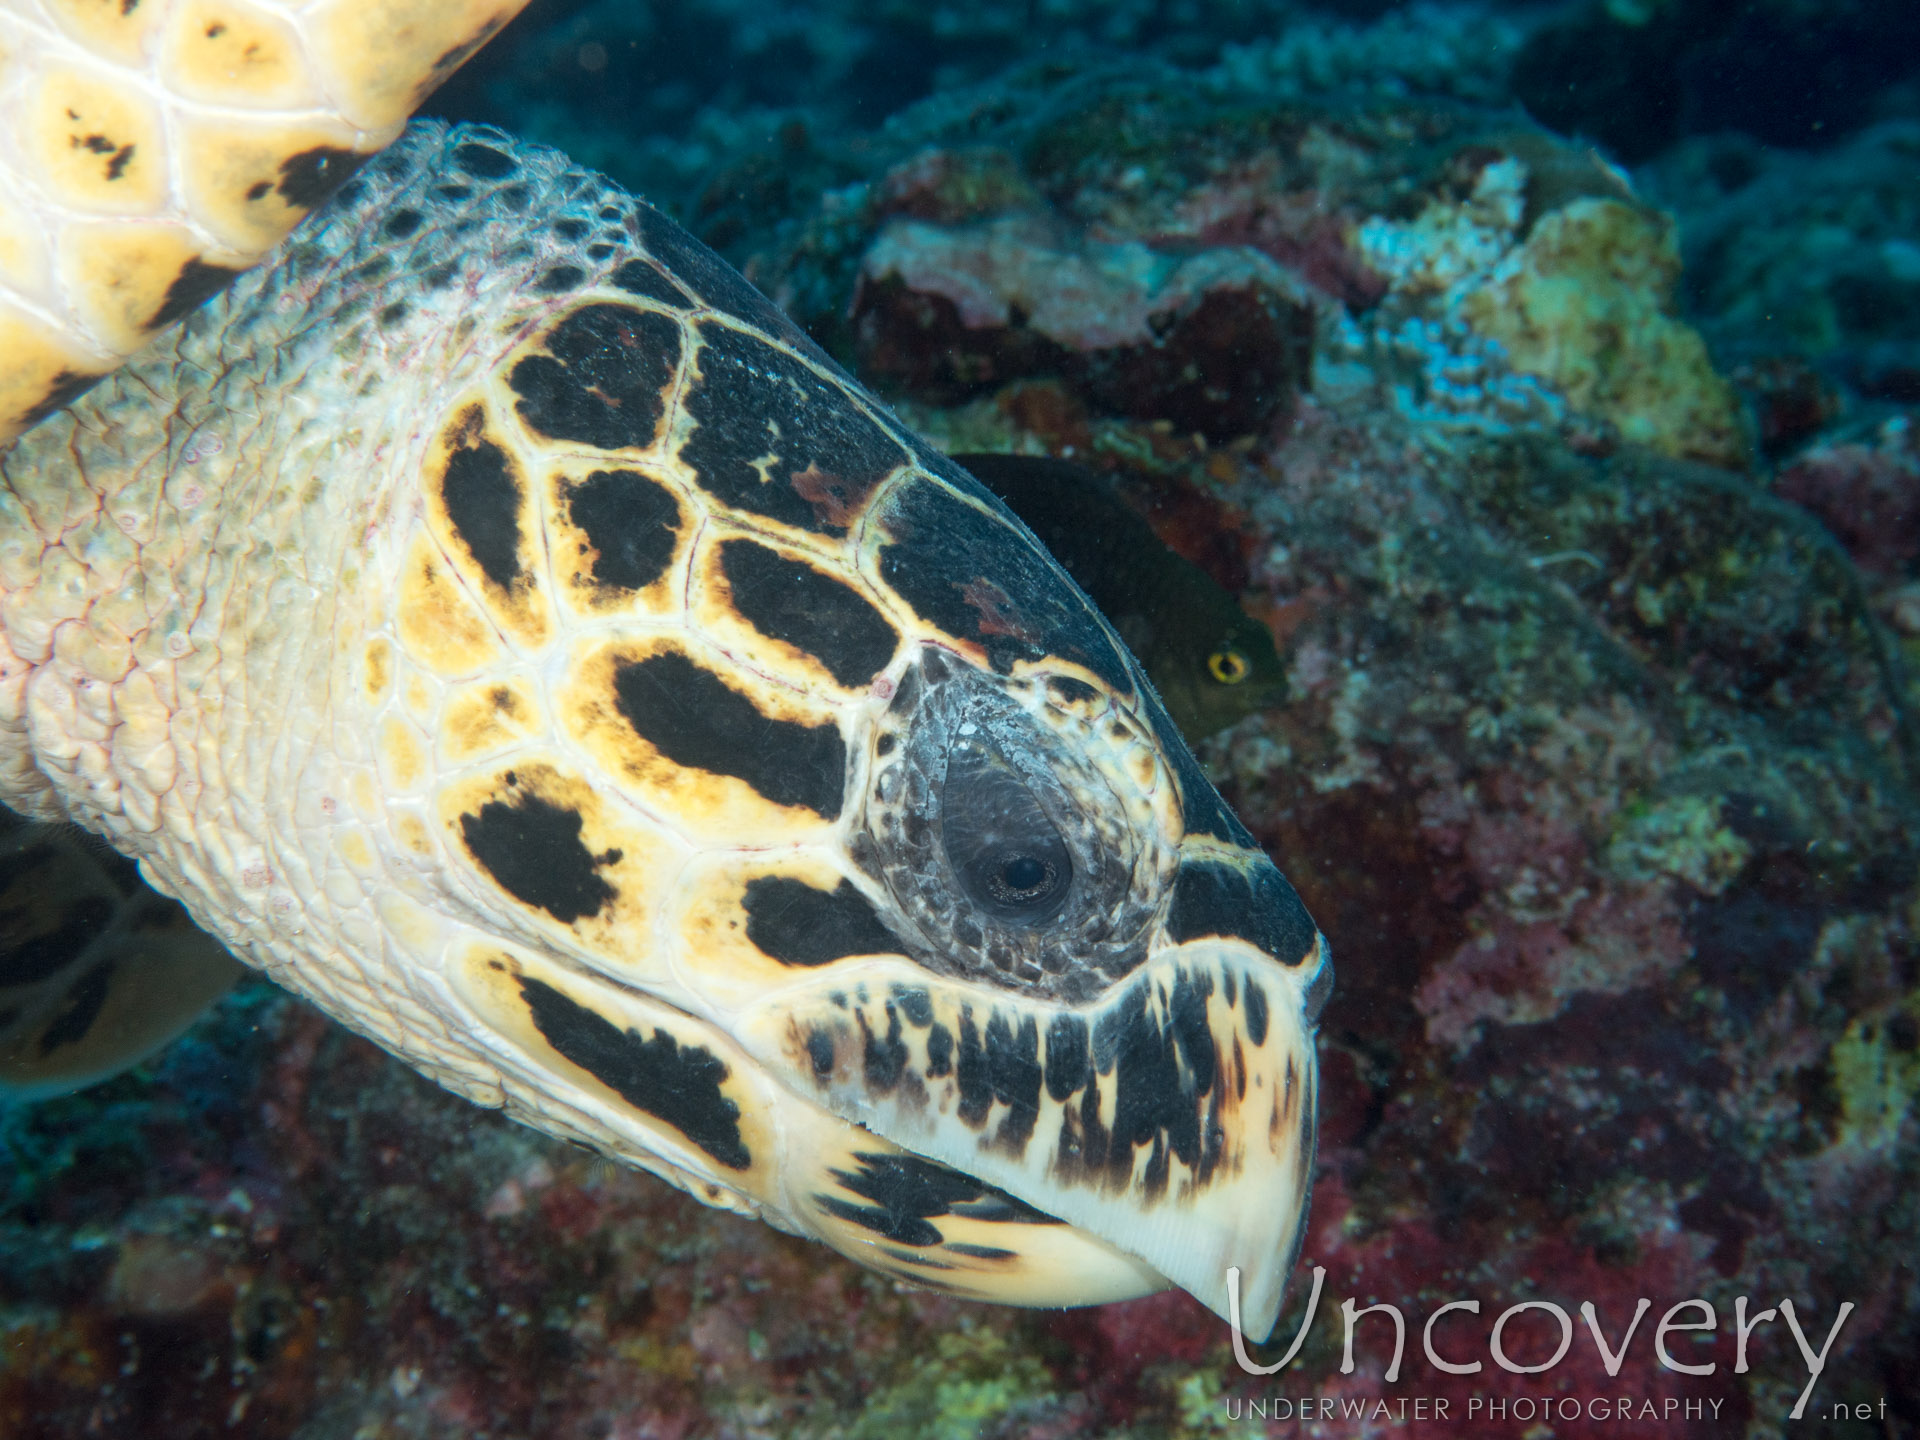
[[1585, 509]]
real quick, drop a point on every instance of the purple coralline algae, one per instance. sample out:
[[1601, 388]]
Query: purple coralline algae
[[1597, 769]]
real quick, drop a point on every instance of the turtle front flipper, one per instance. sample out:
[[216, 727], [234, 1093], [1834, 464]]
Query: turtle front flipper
[[154, 151], [97, 971]]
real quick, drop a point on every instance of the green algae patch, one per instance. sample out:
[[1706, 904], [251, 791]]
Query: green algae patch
[[974, 1379], [1584, 305], [1876, 1072], [1684, 837]]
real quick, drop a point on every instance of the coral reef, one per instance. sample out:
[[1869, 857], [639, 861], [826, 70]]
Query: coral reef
[[1810, 258], [1597, 767], [1173, 251]]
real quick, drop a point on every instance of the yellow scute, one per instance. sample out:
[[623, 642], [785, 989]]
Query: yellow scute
[[413, 834], [500, 985], [379, 667], [402, 761], [519, 608], [233, 174], [98, 145], [551, 847], [381, 58], [354, 849], [439, 625], [122, 275], [723, 963], [696, 802], [111, 29], [484, 718], [23, 249], [38, 359], [235, 54]]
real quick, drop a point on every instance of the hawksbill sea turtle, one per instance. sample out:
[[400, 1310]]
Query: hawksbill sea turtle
[[495, 621]]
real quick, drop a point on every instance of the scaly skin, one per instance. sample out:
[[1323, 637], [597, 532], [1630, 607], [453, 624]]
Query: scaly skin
[[189, 556], [343, 610]]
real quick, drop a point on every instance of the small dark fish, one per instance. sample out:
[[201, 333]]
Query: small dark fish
[[1212, 663]]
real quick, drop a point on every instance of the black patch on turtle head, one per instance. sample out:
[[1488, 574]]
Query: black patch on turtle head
[[721, 286], [815, 613], [1164, 1070], [630, 521], [1072, 691], [883, 1058], [637, 277], [796, 924], [559, 280], [196, 283], [402, 224], [1255, 904], [970, 1073], [939, 1051], [1068, 1062], [79, 1008], [905, 1193], [1013, 1069], [604, 378], [916, 1005], [532, 849], [483, 162], [1256, 1013], [677, 1084], [775, 437], [482, 491], [694, 718], [980, 577]]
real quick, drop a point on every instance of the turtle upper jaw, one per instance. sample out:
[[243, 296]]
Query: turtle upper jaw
[[1173, 1119]]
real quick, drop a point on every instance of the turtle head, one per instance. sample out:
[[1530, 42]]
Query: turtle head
[[1059, 966], [858, 877], [1103, 1014]]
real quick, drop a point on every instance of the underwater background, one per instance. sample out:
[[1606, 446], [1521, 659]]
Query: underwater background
[[1545, 380]]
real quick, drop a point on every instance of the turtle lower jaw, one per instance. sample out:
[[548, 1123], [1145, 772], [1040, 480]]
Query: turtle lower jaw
[[929, 1224], [1171, 1121]]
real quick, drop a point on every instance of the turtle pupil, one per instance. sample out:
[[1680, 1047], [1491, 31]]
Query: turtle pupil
[[1023, 883], [1006, 853], [1023, 873]]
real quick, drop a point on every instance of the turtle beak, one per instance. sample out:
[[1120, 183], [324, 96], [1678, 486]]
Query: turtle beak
[[1171, 1119]]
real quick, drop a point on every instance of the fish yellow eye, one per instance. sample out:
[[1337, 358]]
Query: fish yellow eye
[[1228, 666]]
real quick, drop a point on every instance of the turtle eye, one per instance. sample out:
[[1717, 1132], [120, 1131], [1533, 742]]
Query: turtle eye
[[1007, 854], [1228, 665]]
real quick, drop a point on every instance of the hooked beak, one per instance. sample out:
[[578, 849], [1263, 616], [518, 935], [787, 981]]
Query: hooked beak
[[1172, 1121]]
